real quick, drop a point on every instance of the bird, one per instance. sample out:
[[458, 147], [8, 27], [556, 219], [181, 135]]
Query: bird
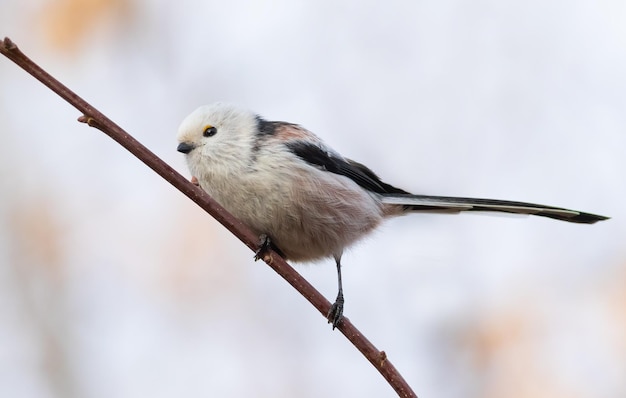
[[303, 198]]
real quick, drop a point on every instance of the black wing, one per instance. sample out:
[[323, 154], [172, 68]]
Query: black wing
[[325, 160]]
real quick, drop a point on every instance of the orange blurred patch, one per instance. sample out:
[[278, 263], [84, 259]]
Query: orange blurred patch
[[66, 23], [617, 305], [37, 235], [504, 352]]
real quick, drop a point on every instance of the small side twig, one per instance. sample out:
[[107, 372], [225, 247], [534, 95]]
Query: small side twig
[[96, 119]]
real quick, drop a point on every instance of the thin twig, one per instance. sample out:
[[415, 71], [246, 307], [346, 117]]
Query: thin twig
[[95, 118]]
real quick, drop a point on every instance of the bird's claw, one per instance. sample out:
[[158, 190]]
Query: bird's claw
[[265, 244], [335, 314]]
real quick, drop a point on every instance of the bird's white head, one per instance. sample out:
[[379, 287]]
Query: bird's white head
[[217, 135]]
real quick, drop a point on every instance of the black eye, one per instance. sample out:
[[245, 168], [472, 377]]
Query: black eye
[[209, 131]]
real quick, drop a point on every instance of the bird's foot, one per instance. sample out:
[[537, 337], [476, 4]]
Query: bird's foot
[[265, 244], [335, 314]]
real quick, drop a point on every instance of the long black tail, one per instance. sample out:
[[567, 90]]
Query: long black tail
[[451, 204]]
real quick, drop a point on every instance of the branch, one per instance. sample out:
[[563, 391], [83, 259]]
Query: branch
[[95, 118]]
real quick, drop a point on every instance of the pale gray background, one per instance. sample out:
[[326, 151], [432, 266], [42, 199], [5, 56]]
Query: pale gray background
[[113, 284]]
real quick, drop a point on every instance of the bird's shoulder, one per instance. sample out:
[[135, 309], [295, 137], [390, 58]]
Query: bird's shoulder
[[310, 149]]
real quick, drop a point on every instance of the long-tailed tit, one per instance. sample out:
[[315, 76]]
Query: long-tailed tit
[[287, 185]]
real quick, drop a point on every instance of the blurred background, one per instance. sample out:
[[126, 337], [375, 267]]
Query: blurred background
[[112, 283]]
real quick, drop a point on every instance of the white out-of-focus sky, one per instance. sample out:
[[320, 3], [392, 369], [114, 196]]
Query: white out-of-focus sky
[[114, 284]]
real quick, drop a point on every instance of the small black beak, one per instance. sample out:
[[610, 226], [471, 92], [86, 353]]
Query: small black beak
[[185, 147]]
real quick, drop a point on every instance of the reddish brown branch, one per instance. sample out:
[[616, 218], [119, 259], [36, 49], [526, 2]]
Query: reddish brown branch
[[95, 118]]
